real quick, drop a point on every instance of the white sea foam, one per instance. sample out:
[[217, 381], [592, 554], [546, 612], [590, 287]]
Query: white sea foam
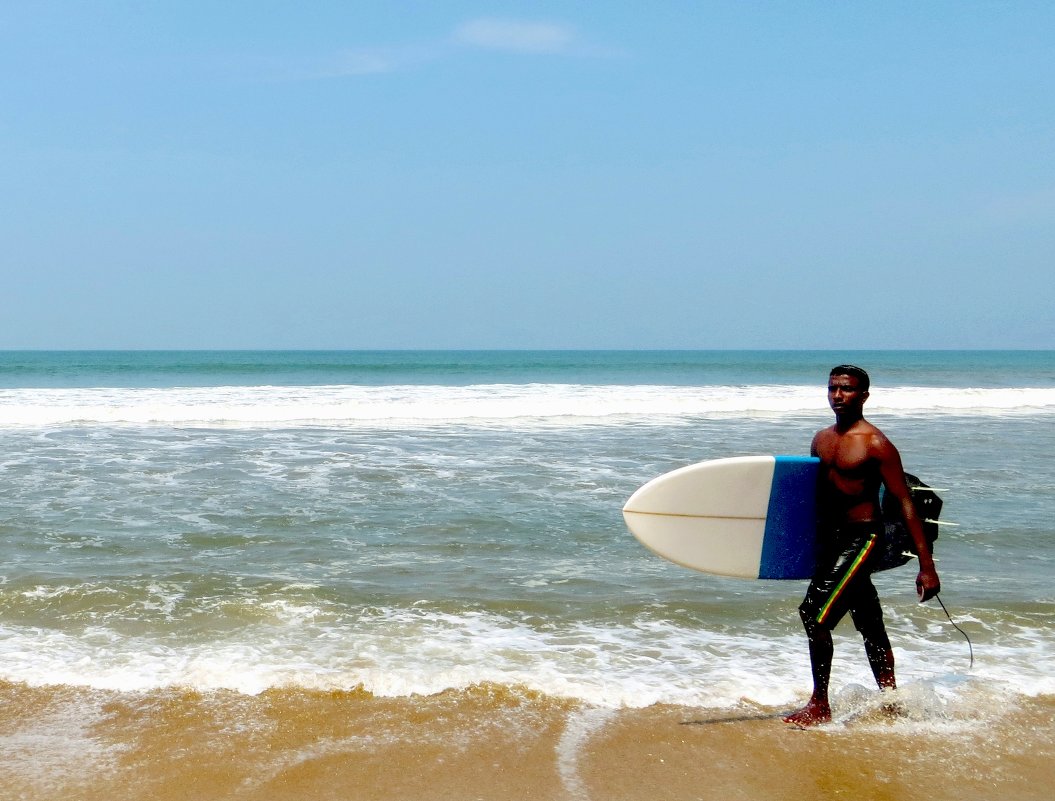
[[399, 653], [56, 749], [577, 732], [411, 405]]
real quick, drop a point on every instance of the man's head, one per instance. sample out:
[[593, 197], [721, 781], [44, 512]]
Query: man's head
[[847, 391], [863, 382]]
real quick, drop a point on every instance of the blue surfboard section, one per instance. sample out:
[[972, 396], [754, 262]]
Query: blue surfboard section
[[789, 542]]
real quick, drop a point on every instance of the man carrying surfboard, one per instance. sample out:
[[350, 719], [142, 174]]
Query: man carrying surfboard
[[856, 459]]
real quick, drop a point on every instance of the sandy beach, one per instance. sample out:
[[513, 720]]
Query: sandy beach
[[497, 743]]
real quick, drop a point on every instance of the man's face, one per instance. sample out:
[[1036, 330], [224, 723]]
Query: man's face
[[844, 394]]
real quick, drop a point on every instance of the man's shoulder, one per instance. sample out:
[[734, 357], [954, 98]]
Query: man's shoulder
[[872, 430], [861, 428], [825, 434], [878, 443]]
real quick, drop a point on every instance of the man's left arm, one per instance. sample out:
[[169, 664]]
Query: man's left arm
[[893, 475]]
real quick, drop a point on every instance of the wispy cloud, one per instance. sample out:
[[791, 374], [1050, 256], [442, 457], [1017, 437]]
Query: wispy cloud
[[516, 36], [523, 37], [379, 60]]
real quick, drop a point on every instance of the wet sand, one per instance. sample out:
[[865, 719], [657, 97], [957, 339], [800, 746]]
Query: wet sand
[[493, 742]]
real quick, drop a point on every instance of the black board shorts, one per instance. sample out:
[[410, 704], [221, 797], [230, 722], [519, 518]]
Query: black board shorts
[[842, 581]]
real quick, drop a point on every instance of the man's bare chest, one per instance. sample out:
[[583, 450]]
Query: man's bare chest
[[848, 454]]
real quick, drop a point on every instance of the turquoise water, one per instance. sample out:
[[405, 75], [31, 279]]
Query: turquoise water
[[246, 368], [413, 521]]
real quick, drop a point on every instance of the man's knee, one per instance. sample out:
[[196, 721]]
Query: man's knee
[[808, 616]]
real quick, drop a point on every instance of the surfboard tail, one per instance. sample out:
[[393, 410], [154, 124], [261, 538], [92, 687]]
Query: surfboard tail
[[899, 545]]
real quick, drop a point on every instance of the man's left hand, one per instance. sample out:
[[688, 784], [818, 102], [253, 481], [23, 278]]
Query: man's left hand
[[927, 585]]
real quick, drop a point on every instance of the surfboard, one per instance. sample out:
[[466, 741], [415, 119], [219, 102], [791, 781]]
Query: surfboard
[[746, 516]]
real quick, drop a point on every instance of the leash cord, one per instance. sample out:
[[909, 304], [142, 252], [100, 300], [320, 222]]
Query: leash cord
[[970, 647]]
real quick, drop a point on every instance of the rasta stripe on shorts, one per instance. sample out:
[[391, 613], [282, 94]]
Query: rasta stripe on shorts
[[857, 566]]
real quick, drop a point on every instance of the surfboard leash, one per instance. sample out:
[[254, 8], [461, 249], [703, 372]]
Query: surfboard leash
[[970, 647]]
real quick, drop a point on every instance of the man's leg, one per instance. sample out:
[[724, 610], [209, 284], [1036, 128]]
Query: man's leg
[[867, 615], [836, 588], [817, 709], [881, 659]]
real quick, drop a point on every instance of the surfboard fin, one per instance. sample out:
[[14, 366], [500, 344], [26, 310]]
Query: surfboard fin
[[914, 555]]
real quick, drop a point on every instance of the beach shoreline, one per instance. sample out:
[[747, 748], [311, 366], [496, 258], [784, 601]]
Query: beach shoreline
[[494, 742]]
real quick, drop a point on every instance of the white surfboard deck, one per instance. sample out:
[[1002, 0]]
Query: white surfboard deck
[[747, 516]]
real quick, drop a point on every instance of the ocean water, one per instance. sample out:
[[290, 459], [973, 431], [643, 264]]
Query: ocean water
[[410, 522], [404, 525]]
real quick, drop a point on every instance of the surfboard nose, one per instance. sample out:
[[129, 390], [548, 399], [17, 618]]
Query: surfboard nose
[[714, 516]]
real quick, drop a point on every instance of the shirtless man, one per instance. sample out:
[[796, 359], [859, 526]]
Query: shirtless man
[[856, 458]]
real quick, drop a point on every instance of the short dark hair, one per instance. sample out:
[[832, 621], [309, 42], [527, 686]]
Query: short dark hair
[[863, 382]]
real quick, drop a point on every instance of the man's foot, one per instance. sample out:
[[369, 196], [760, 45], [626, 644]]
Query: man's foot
[[813, 714], [893, 710]]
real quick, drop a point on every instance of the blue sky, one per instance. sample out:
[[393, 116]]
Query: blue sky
[[527, 175]]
